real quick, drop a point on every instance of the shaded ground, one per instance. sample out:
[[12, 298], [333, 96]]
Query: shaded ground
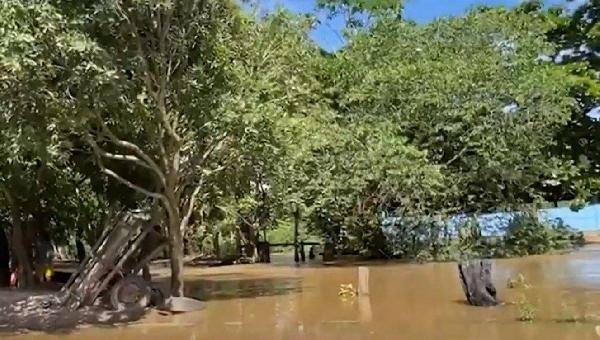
[[39, 311]]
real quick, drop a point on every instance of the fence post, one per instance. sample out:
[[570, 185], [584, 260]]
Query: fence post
[[363, 281]]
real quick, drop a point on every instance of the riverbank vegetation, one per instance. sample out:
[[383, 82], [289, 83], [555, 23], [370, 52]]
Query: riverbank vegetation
[[228, 126]]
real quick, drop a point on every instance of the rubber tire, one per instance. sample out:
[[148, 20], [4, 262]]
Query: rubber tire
[[157, 297], [142, 286]]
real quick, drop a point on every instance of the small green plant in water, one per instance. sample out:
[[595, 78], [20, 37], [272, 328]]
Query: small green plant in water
[[568, 313], [518, 282], [347, 291], [527, 311]]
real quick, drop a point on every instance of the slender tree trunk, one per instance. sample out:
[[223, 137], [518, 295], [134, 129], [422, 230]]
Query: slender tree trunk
[[4, 259], [176, 252], [80, 250], [216, 245], [79, 246], [296, 225], [238, 243]]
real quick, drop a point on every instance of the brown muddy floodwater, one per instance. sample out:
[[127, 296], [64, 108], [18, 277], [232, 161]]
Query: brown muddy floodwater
[[406, 301]]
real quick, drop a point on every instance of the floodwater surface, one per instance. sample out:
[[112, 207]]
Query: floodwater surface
[[406, 301]]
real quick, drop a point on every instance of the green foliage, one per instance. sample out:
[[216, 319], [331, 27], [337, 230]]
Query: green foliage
[[527, 312], [527, 235], [361, 13], [40, 58], [577, 35], [468, 91]]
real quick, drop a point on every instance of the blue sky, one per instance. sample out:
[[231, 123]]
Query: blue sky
[[328, 33]]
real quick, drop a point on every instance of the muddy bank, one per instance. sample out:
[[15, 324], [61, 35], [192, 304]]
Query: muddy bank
[[592, 237]]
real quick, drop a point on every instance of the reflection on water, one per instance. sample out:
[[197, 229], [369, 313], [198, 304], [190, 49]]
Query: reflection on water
[[240, 287], [406, 301]]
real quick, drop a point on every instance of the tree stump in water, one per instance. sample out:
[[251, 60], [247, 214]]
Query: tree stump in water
[[476, 279]]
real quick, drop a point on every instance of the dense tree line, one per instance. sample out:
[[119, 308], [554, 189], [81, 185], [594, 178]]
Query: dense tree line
[[228, 124]]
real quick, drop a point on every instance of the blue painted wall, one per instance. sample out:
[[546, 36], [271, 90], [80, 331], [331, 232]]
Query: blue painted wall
[[587, 218]]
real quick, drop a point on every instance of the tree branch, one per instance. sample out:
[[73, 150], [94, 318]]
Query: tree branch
[[130, 184], [135, 149], [159, 95], [457, 156], [190, 208], [215, 144], [120, 157], [105, 170]]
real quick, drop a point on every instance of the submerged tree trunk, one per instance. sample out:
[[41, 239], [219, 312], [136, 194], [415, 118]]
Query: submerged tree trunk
[[476, 280]]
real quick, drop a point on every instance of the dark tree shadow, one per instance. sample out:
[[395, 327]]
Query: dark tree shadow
[[41, 313], [207, 289]]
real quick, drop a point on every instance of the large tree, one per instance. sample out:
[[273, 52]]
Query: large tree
[[578, 36], [475, 93], [156, 101], [41, 190]]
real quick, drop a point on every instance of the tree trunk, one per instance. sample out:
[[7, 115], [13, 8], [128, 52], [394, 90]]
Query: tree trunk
[[328, 251], [24, 264], [238, 243], [296, 225], [476, 279], [264, 252], [80, 250], [176, 252], [216, 245], [20, 249], [79, 246], [302, 253], [4, 259]]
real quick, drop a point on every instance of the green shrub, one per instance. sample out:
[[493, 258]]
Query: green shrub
[[527, 235], [527, 312]]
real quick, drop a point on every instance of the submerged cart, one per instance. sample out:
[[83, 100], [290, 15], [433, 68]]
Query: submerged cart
[[113, 266]]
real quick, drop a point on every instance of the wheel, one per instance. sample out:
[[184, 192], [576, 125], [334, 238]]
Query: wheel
[[157, 298], [131, 291]]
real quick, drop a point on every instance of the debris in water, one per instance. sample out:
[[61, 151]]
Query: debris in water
[[347, 290], [182, 304]]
